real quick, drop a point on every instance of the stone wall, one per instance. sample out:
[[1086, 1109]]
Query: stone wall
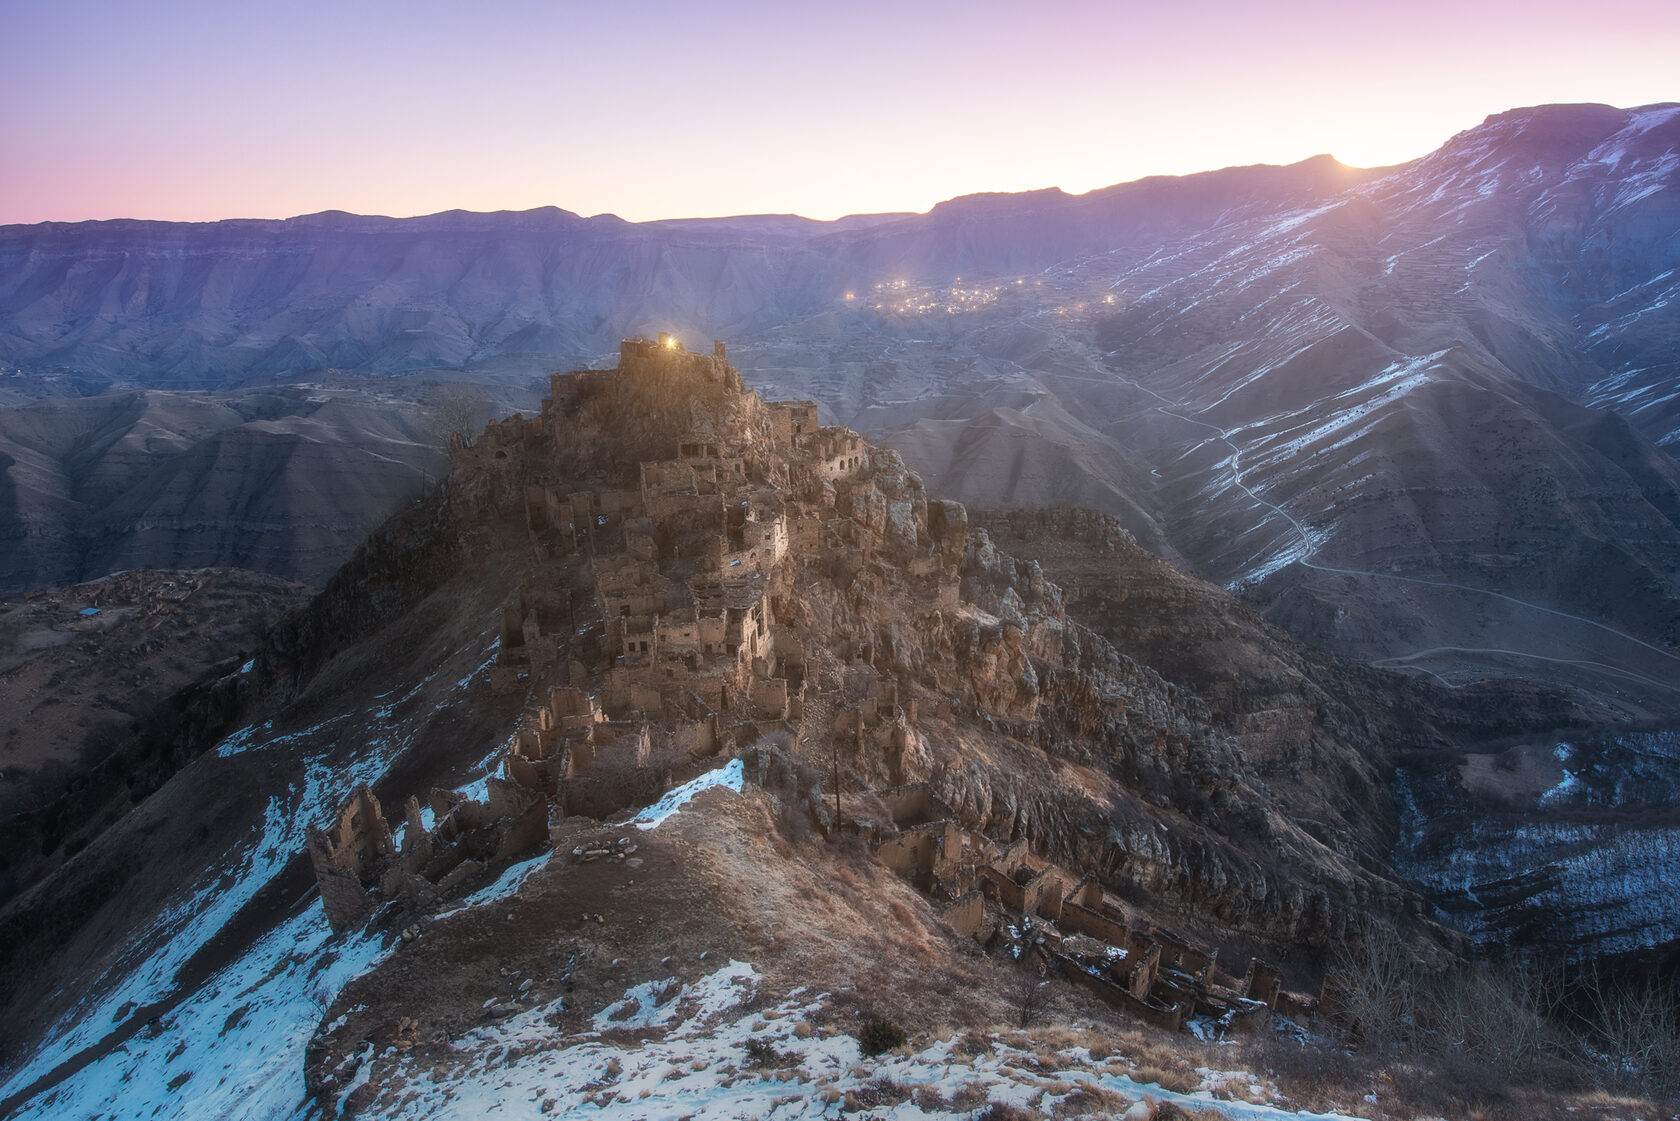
[[966, 914]]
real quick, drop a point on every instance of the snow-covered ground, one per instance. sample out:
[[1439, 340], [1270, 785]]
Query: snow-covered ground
[[729, 775], [234, 1047], [684, 1052], [145, 972]]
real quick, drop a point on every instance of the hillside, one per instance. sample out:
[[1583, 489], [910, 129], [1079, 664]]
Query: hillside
[[84, 670], [283, 480], [673, 715], [1528, 822]]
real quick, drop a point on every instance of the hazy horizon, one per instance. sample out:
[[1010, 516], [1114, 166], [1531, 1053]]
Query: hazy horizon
[[189, 111]]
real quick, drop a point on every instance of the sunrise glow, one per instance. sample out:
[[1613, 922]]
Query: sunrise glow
[[272, 110]]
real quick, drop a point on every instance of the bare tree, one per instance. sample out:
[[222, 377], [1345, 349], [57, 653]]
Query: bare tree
[[1031, 992], [1638, 1027], [458, 410], [1497, 1013], [1377, 981]]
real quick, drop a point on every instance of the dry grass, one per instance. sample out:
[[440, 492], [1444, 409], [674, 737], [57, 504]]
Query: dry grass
[[874, 1095], [1169, 1111], [929, 1100], [1092, 1101], [998, 1111], [1065, 1037], [969, 1096], [1180, 1080], [631, 1039], [1318, 1080]]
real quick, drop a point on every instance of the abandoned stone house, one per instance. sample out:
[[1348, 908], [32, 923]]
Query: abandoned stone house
[[359, 867]]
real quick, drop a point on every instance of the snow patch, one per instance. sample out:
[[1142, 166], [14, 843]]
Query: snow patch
[[730, 775], [235, 1048], [513, 878]]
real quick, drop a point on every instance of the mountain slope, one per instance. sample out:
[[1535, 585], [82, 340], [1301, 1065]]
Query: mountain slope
[[283, 481], [686, 683]]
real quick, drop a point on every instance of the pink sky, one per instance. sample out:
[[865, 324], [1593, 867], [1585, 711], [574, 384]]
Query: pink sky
[[655, 110]]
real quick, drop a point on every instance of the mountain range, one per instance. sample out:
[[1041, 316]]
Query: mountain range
[[1419, 413]]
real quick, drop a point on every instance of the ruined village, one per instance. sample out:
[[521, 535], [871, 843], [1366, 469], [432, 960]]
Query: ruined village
[[683, 611]]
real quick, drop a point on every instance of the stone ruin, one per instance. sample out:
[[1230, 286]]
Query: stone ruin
[[677, 646], [662, 640], [359, 867]]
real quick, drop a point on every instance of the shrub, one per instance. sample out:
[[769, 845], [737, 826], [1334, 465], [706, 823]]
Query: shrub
[[880, 1035], [1000, 1111], [761, 1052]]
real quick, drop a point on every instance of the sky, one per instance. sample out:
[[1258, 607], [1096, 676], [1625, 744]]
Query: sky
[[250, 108]]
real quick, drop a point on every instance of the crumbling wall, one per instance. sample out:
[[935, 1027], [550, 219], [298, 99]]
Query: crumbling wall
[[911, 854], [1042, 895], [1167, 1017], [966, 914], [357, 867], [770, 695], [1006, 891], [343, 896], [1179, 955], [1082, 920], [791, 422], [349, 857], [1262, 982], [915, 804], [1142, 965]]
